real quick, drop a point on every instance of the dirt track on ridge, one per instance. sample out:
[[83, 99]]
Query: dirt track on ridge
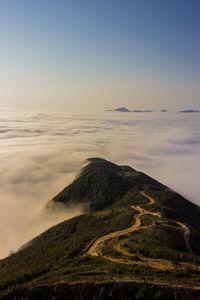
[[96, 248]]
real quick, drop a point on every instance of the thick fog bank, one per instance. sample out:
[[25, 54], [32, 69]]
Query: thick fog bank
[[40, 152]]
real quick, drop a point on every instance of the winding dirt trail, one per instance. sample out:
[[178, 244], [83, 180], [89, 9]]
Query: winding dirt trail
[[184, 228], [151, 200], [97, 246]]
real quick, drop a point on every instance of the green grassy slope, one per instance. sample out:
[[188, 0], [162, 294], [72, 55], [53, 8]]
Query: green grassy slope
[[109, 191], [101, 183]]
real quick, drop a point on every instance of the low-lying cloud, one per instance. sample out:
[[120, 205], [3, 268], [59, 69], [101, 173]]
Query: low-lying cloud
[[40, 152]]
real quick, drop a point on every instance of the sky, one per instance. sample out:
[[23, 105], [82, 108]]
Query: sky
[[96, 55]]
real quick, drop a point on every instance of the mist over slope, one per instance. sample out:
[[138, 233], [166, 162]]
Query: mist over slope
[[41, 151], [133, 228]]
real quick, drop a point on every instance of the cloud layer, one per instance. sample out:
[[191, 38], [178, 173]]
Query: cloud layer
[[40, 152]]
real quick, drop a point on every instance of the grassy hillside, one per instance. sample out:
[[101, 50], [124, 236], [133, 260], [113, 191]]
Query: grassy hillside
[[101, 183], [59, 254]]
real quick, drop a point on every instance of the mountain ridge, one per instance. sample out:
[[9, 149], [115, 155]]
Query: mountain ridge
[[96, 178], [157, 228]]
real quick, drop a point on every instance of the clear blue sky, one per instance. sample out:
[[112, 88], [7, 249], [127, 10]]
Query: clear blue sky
[[100, 54]]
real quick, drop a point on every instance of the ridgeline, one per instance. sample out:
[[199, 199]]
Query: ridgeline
[[136, 239]]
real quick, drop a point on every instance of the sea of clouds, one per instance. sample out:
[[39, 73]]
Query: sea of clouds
[[41, 153]]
